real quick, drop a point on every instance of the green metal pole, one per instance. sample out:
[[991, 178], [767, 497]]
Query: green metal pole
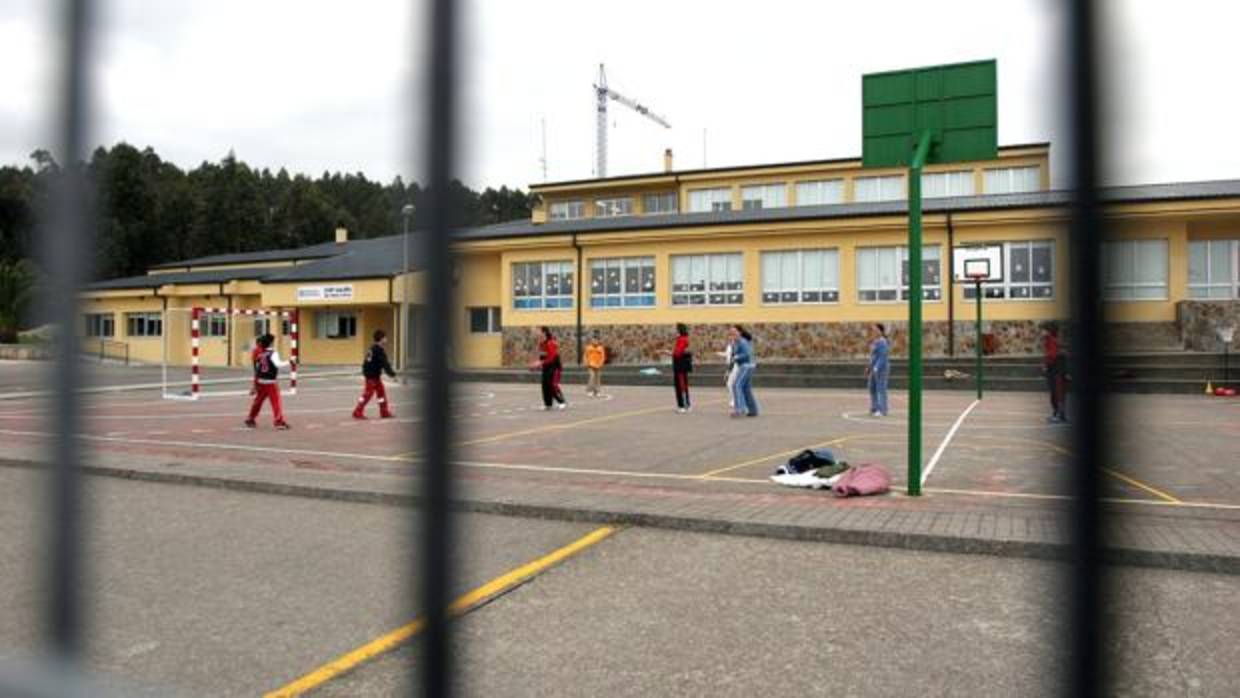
[[914, 314], [978, 286]]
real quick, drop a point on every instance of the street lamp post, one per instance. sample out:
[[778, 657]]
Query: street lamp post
[[406, 212]]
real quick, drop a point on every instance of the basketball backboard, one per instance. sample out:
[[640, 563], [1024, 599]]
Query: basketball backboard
[[975, 257], [957, 103]]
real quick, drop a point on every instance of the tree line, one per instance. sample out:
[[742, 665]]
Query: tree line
[[149, 211]]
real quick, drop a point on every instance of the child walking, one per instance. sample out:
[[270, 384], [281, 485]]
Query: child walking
[[549, 363], [878, 370], [373, 368], [682, 366], [596, 356], [267, 365]]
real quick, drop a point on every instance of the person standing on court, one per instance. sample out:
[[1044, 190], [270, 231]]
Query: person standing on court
[[743, 358], [729, 373], [1055, 368], [596, 356], [373, 367], [878, 370], [682, 366], [551, 367], [267, 364]]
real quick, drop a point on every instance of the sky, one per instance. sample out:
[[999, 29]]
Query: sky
[[318, 86]]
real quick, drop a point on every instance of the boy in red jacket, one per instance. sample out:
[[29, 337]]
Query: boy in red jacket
[[373, 368], [1055, 368], [267, 365]]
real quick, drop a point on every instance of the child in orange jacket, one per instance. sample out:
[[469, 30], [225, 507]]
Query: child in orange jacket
[[596, 356]]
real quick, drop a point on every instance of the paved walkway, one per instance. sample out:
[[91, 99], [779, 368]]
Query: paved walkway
[[1156, 535]]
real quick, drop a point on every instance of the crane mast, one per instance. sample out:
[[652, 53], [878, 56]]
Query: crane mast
[[602, 93]]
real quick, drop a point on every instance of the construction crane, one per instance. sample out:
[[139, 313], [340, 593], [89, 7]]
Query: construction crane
[[602, 93]]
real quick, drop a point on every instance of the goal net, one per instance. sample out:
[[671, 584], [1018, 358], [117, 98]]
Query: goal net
[[221, 339]]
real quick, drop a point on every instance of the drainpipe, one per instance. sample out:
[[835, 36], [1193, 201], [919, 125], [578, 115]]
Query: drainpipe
[[577, 299], [228, 327], [951, 290]]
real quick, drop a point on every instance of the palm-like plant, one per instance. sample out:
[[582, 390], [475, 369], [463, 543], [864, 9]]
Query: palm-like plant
[[16, 291]]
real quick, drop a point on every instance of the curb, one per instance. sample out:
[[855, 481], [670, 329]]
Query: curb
[[1130, 557]]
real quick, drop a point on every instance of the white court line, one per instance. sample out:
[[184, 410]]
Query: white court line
[[934, 460]]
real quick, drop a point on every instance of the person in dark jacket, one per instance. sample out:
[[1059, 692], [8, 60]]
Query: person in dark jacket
[[267, 364], [682, 366], [551, 367], [373, 368]]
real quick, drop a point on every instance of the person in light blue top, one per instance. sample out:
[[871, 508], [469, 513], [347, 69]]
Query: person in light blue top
[[878, 370], [743, 360]]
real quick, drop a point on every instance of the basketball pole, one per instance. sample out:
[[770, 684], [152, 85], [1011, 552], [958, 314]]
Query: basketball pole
[[914, 313], [977, 284]]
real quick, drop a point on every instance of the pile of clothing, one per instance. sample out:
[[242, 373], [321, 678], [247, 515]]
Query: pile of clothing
[[817, 468]]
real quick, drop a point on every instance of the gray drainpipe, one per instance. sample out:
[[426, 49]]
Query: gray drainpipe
[[951, 291], [577, 300]]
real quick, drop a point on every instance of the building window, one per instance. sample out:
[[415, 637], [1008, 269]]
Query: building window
[[756, 196], [567, 210], [938, 184], [1030, 273], [100, 325], [1013, 180], [1214, 269], [1135, 270], [286, 327], [213, 325], [484, 321], [144, 324], [882, 274], [620, 206], [539, 285], [708, 279], [262, 326], [827, 191], [888, 188], [710, 200], [623, 282], [801, 276], [663, 202], [332, 324]]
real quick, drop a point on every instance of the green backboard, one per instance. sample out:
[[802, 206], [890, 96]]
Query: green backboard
[[956, 102]]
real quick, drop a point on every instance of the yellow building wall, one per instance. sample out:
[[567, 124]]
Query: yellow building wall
[[1175, 232], [480, 286], [145, 350], [344, 351]]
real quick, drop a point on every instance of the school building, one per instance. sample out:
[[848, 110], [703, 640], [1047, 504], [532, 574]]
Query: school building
[[806, 254]]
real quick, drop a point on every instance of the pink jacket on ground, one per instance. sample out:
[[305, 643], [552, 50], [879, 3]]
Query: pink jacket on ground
[[867, 478]]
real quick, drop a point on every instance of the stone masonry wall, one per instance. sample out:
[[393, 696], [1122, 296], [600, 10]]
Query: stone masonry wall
[[808, 341], [1200, 321]]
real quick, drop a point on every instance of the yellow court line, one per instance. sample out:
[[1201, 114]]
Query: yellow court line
[[547, 428], [1109, 471], [464, 604]]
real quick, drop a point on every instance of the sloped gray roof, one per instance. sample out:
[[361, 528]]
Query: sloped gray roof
[[377, 257], [215, 276], [324, 249]]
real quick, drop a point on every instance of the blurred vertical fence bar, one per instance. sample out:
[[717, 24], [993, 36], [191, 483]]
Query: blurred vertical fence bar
[[66, 245], [439, 142], [1086, 673]]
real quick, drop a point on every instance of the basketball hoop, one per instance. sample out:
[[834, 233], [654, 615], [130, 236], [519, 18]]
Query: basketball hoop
[[977, 270]]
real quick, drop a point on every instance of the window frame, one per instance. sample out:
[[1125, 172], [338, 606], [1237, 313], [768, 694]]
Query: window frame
[[1232, 284], [144, 320], [803, 186], [724, 204], [603, 207], [903, 193], [764, 188], [213, 325], [1111, 289], [1002, 290], [642, 299], [671, 196], [494, 318], [709, 261], [801, 289], [901, 287], [987, 172], [542, 301], [100, 325], [946, 176], [571, 205], [321, 322]]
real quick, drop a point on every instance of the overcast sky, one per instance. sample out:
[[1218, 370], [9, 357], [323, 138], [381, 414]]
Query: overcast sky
[[313, 85]]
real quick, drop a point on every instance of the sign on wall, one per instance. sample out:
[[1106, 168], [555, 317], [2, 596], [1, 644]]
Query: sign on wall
[[342, 292]]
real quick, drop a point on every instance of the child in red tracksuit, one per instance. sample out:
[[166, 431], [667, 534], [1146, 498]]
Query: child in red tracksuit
[[1055, 368], [550, 365], [267, 365], [373, 368]]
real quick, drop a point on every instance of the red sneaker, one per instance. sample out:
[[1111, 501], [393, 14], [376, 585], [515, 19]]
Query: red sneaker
[[359, 415], [251, 423], [283, 426], [389, 415]]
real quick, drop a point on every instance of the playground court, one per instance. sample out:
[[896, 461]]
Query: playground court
[[1175, 454]]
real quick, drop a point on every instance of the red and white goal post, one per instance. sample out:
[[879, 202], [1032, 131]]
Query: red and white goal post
[[197, 316]]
